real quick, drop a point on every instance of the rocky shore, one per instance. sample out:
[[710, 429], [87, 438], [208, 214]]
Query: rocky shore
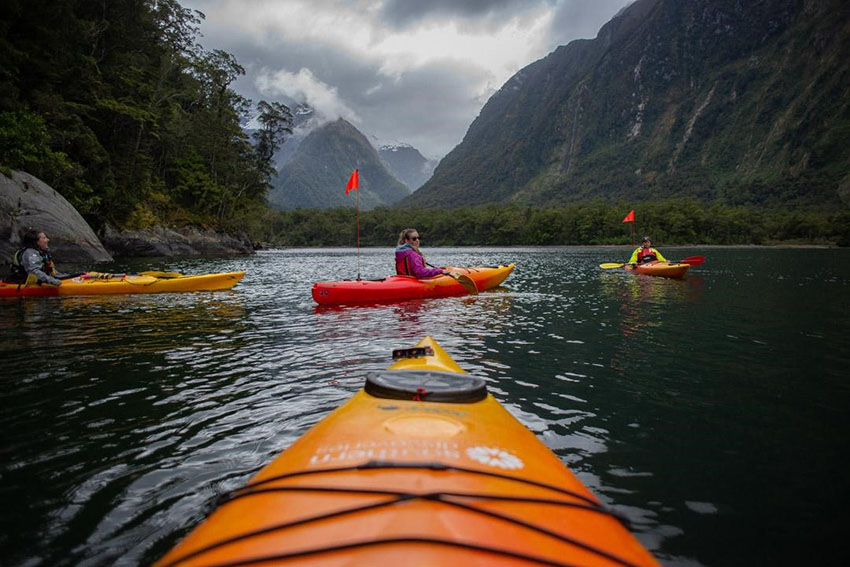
[[28, 202], [185, 241]]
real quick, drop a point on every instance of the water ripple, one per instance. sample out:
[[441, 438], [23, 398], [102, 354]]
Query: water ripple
[[128, 416]]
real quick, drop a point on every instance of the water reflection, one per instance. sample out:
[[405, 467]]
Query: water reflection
[[640, 289], [125, 417], [643, 303]]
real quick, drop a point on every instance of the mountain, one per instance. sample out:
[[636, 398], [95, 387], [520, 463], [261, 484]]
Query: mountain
[[738, 102], [405, 161], [400, 159], [316, 175]]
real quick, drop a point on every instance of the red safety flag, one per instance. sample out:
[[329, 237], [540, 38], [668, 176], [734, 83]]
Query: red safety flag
[[353, 182], [629, 217]]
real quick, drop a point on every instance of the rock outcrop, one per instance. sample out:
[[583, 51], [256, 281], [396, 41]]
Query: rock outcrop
[[171, 242], [28, 202]]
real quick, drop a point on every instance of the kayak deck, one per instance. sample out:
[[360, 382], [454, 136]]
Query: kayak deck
[[421, 467], [125, 285], [400, 288]]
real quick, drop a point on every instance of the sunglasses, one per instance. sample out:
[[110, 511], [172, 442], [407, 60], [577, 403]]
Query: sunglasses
[[414, 238]]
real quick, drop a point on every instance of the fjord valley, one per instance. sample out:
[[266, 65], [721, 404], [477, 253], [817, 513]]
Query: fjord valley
[[589, 409], [720, 122]]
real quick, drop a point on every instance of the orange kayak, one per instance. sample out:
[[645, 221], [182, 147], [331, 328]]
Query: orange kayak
[[400, 288], [421, 467], [662, 269]]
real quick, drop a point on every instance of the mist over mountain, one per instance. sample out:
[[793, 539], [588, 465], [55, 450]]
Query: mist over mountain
[[721, 100], [304, 121], [401, 161], [316, 173], [407, 163]]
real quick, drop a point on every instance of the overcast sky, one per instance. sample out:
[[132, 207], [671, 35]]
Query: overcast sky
[[414, 71]]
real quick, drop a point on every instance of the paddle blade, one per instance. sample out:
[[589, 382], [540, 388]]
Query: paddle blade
[[693, 260], [610, 265], [140, 280], [161, 274], [466, 282]]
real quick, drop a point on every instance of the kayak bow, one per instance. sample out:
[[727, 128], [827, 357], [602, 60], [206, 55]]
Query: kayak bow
[[421, 467]]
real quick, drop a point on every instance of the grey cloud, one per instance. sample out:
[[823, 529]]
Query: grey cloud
[[429, 108], [410, 13], [430, 105], [574, 20]]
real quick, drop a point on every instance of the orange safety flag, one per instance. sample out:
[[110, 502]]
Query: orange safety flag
[[629, 217], [353, 182]]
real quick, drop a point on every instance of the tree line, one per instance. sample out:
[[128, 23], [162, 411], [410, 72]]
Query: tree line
[[671, 221], [117, 106]]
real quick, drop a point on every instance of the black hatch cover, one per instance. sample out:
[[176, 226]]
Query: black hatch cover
[[425, 385]]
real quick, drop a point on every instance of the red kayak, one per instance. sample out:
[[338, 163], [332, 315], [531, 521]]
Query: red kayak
[[400, 288]]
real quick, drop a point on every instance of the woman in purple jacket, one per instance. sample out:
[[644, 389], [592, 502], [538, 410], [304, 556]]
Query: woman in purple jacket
[[409, 261]]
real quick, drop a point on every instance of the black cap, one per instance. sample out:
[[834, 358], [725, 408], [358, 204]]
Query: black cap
[[645, 238]]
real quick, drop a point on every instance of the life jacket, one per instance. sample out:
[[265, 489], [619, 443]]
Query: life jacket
[[401, 266], [648, 256], [402, 260], [17, 274]]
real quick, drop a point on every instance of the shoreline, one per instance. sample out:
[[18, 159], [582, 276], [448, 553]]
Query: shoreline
[[612, 246]]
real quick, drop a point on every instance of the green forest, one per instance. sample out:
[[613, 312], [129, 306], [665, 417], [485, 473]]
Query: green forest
[[672, 221], [118, 107]]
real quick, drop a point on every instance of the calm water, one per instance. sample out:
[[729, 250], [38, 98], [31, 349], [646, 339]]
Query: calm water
[[713, 411]]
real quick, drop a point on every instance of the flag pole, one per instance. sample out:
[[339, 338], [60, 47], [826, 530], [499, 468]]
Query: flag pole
[[357, 201], [354, 183]]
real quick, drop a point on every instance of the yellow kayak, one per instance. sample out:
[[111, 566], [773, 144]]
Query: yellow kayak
[[421, 467], [84, 285]]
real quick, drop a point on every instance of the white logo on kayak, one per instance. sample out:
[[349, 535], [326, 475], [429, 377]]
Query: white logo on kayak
[[494, 457]]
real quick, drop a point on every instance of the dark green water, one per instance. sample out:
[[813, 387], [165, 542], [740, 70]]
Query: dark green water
[[714, 412]]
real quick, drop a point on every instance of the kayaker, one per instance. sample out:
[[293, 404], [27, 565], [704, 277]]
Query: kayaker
[[646, 253], [409, 261], [34, 258]]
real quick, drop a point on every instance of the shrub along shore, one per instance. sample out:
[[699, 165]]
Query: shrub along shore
[[671, 222]]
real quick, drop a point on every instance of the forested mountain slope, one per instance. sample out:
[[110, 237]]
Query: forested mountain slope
[[408, 164], [726, 101], [316, 176]]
